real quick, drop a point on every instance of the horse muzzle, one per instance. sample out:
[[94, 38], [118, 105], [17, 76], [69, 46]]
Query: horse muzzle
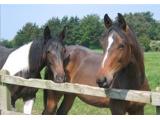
[[60, 79], [104, 82]]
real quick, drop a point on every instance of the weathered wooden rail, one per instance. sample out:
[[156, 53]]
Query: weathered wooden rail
[[120, 94]]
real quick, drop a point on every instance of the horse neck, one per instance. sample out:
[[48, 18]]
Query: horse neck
[[130, 77], [76, 57], [36, 61], [137, 56]]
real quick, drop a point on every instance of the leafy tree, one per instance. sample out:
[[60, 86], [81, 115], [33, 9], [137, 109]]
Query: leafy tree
[[28, 33], [139, 22], [87, 31], [54, 25], [144, 42], [91, 29], [154, 32], [144, 25], [73, 31], [6, 43]]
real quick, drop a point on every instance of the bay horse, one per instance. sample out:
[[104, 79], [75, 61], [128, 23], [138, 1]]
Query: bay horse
[[28, 60], [122, 65], [81, 66]]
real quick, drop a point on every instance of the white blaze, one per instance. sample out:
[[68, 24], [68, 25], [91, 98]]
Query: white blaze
[[18, 60], [28, 106], [110, 41]]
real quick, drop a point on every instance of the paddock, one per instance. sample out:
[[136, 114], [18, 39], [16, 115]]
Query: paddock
[[148, 97]]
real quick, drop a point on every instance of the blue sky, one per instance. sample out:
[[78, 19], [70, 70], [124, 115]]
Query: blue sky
[[13, 17]]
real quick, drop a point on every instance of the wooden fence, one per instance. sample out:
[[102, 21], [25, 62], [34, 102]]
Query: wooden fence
[[120, 94]]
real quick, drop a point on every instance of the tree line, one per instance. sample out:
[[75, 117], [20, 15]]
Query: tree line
[[87, 31]]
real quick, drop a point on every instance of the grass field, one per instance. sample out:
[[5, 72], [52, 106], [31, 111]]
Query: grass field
[[152, 68]]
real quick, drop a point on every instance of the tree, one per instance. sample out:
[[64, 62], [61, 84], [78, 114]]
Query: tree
[[54, 25], [28, 33], [73, 31], [144, 25], [87, 31], [154, 32], [144, 42], [6, 43], [140, 22], [91, 29]]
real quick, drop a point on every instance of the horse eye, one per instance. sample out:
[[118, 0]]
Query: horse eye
[[121, 46]]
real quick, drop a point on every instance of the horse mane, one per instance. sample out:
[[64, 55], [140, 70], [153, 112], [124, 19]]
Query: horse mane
[[136, 51], [36, 53]]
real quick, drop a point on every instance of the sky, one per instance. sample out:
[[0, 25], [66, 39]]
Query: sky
[[14, 17]]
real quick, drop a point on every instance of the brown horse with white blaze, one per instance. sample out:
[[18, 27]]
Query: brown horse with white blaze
[[122, 65]]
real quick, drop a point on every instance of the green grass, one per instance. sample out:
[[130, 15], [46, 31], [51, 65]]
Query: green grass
[[152, 68]]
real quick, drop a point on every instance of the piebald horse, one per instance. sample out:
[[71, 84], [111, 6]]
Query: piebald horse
[[122, 65], [28, 60]]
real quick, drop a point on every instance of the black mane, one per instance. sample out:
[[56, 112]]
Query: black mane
[[36, 55]]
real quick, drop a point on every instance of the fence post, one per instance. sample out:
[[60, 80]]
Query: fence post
[[158, 110], [158, 107], [5, 97]]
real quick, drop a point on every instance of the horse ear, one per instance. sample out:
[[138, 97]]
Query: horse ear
[[121, 21], [62, 34], [107, 21], [47, 34]]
